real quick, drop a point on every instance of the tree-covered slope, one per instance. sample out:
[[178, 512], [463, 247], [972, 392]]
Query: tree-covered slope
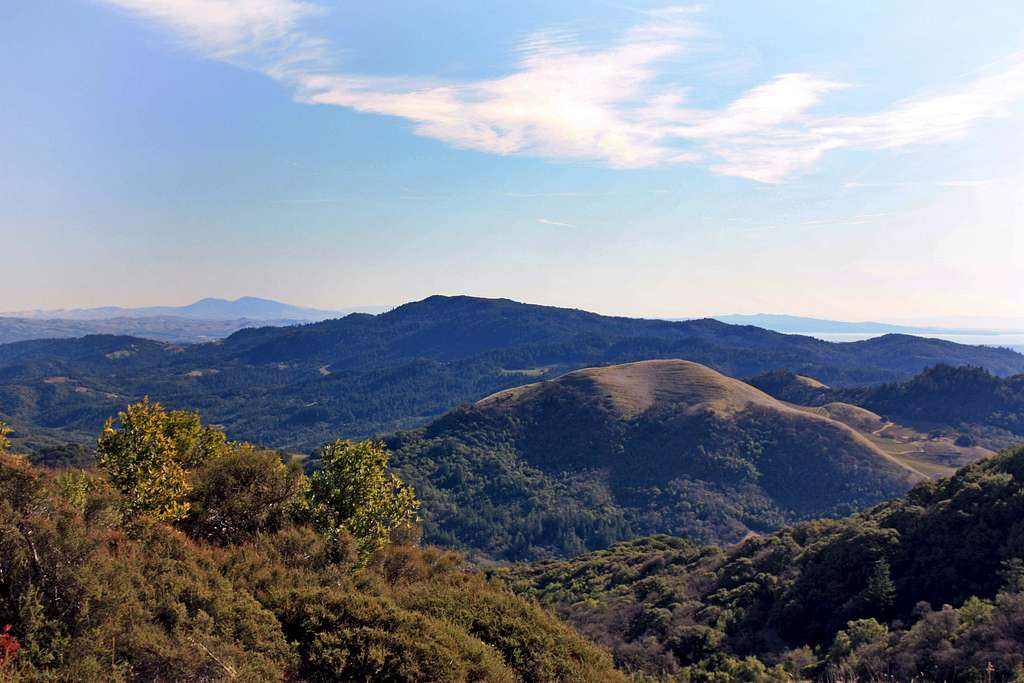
[[965, 398], [236, 585], [362, 374], [605, 454], [926, 587]]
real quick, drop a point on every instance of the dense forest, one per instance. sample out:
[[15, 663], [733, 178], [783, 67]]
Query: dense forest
[[297, 387], [189, 558], [927, 587]]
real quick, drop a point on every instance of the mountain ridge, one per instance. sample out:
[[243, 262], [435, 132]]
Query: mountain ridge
[[301, 386], [249, 307]]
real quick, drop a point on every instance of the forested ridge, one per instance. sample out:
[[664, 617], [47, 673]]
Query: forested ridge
[[972, 400], [300, 386]]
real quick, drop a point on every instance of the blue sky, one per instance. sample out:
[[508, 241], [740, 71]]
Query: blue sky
[[844, 160]]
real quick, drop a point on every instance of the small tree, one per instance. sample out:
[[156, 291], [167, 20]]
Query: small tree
[[881, 591], [5, 443], [355, 492], [148, 455]]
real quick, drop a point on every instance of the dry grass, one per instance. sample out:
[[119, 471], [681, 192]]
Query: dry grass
[[633, 388]]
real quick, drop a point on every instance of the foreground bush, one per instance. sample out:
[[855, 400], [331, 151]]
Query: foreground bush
[[94, 595]]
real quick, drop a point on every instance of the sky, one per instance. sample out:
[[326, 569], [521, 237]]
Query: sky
[[854, 160]]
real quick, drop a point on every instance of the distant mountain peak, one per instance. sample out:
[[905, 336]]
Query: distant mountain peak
[[207, 308]]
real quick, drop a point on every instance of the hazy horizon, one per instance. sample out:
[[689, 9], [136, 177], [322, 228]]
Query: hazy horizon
[[1006, 324], [844, 162]]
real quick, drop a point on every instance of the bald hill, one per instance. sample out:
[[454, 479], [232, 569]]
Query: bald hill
[[599, 455], [300, 386]]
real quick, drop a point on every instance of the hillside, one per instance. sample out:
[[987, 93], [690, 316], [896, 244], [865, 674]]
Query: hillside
[[604, 454], [927, 587], [246, 588], [954, 396], [300, 386], [964, 402]]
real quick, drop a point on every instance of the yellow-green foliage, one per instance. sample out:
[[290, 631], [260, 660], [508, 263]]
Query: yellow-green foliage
[[148, 456], [355, 492]]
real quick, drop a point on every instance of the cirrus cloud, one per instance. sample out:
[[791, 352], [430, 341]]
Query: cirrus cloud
[[565, 100], [560, 224]]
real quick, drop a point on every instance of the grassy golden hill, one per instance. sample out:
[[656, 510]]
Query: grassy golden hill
[[665, 446]]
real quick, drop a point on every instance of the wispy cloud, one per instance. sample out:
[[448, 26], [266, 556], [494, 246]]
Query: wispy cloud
[[267, 30], [548, 221], [563, 99]]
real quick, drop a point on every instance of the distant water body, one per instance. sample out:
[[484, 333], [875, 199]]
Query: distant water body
[[1009, 340]]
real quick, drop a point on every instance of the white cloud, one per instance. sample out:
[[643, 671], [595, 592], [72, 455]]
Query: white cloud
[[548, 221], [565, 100], [230, 29]]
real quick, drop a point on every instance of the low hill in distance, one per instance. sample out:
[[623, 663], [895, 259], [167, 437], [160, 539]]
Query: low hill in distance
[[966, 404], [298, 387], [166, 328], [604, 454], [248, 307], [202, 321], [796, 324], [927, 587]]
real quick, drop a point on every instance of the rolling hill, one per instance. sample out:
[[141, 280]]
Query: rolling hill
[[300, 386], [603, 454], [966, 403]]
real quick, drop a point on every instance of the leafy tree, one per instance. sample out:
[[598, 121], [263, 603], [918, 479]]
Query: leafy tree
[[5, 443], [355, 492], [148, 455], [238, 495], [858, 633]]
